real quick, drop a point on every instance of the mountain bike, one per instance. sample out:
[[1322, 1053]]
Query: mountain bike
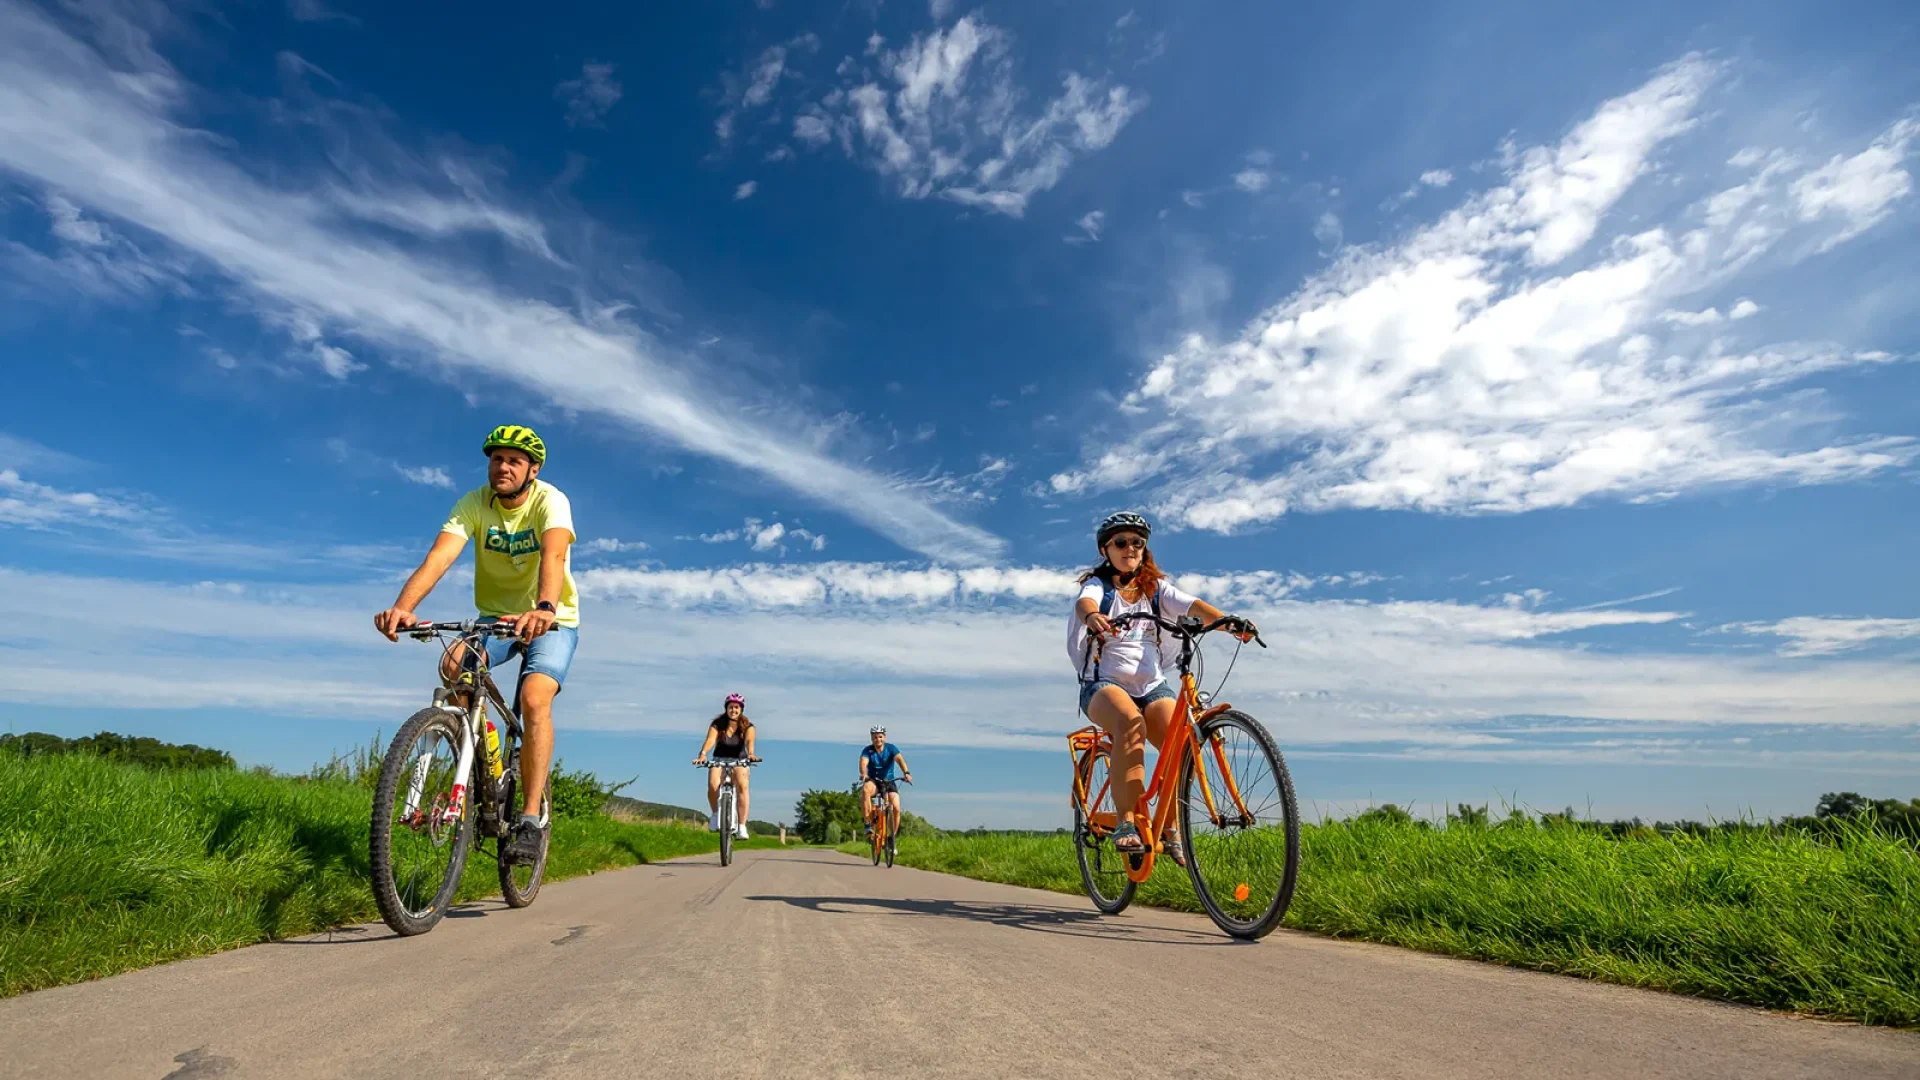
[[448, 761], [728, 807], [1236, 805], [886, 830]]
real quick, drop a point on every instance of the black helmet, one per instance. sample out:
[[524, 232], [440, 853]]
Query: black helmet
[[1124, 521]]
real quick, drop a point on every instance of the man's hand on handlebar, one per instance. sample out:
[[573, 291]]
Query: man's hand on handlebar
[[393, 620]]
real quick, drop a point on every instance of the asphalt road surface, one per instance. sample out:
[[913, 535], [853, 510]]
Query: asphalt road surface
[[808, 963]]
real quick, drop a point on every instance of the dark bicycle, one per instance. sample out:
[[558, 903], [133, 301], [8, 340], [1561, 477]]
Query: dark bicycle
[[449, 765]]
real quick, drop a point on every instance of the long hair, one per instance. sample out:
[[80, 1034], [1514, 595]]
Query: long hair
[[1148, 577], [719, 724]]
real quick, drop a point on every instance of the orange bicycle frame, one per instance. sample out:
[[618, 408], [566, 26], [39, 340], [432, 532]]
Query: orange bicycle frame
[[1156, 803]]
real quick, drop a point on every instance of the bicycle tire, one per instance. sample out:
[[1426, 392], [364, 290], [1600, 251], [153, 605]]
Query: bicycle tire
[[512, 891], [726, 828], [893, 837], [1242, 917], [397, 899], [1095, 853], [879, 835]]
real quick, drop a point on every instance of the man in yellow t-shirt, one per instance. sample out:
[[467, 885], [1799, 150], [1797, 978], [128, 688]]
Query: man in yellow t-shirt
[[522, 528]]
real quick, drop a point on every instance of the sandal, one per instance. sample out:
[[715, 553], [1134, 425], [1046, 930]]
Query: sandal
[[1171, 846], [1127, 840]]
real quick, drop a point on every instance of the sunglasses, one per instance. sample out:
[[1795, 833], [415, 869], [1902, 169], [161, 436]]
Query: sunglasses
[[1128, 543]]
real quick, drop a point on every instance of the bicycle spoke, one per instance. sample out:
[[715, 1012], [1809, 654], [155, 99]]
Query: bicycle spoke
[[1244, 852]]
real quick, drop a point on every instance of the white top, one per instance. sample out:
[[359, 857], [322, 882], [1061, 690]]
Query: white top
[[1131, 660]]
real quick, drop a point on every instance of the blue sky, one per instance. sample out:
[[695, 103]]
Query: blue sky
[[1541, 381]]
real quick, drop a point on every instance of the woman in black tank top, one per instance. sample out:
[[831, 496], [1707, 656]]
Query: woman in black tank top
[[729, 735]]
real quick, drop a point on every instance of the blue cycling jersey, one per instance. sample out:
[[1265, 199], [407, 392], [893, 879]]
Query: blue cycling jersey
[[880, 762]]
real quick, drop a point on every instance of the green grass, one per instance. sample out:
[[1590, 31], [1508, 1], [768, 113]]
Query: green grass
[[1776, 920], [106, 867]]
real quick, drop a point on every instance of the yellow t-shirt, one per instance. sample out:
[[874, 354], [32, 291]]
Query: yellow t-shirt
[[506, 550]]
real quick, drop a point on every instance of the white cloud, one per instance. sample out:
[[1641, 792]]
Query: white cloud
[[590, 97], [1327, 230], [1859, 189], [1090, 224], [1252, 180], [940, 9], [69, 225], [69, 121], [754, 88], [37, 506], [1422, 678], [610, 545], [1437, 178], [768, 538], [1432, 178], [1816, 635], [428, 475], [942, 116], [1478, 366], [1743, 308], [745, 190]]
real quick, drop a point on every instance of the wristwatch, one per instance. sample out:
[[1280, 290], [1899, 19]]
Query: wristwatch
[[544, 605]]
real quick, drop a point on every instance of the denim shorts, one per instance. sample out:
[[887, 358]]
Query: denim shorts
[[1162, 692], [550, 654]]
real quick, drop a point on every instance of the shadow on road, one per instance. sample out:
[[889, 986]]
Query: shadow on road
[[1047, 920], [353, 935]]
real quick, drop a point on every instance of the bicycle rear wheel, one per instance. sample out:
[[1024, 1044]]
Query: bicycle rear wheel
[[1241, 825], [520, 882], [726, 827], [419, 841], [1103, 870]]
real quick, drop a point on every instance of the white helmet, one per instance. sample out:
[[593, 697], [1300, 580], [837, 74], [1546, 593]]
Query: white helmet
[[877, 731]]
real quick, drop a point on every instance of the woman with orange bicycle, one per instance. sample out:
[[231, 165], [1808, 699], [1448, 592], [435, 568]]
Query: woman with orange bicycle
[[1122, 688]]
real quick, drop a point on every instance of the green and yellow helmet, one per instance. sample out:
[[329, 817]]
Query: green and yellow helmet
[[515, 437]]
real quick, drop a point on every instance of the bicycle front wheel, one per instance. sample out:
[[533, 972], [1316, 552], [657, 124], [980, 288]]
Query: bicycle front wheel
[[726, 828], [1241, 825], [520, 882], [1103, 870], [893, 837], [420, 836]]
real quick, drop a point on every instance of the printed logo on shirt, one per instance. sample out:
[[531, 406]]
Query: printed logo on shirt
[[513, 545]]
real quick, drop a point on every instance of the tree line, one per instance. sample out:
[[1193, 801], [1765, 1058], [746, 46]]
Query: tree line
[[833, 817], [133, 749], [1834, 815]]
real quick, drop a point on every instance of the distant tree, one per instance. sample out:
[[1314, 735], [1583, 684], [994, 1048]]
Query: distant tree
[[580, 794], [1468, 816], [1386, 813], [819, 808], [1843, 804], [136, 750], [834, 833]]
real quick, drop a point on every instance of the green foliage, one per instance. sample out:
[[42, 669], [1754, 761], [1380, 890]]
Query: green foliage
[[106, 866], [579, 794], [1779, 917], [135, 750], [835, 834], [817, 809]]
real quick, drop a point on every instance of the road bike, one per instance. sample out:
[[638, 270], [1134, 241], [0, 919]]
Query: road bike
[[449, 764], [727, 808], [886, 831], [1237, 814]]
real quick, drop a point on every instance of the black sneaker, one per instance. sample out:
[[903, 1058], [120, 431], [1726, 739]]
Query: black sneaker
[[523, 845]]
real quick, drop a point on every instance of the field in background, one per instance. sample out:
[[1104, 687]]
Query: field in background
[[107, 866], [1826, 925]]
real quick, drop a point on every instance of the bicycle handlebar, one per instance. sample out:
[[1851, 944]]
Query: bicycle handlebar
[[1189, 628], [726, 763], [425, 630]]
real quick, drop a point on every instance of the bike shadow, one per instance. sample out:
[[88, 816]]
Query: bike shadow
[[1036, 917], [361, 934]]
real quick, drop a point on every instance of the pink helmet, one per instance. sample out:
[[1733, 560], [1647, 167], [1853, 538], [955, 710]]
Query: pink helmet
[[736, 699]]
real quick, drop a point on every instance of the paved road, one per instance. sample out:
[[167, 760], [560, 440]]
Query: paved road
[[807, 963]]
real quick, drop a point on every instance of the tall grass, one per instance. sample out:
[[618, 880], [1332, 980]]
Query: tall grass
[[107, 867], [1782, 920]]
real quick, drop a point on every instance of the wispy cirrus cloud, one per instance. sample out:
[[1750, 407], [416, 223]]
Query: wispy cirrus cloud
[[72, 109], [1824, 635], [590, 97], [1508, 356]]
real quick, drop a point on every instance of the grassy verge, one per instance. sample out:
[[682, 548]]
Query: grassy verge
[[107, 867], [1782, 920]]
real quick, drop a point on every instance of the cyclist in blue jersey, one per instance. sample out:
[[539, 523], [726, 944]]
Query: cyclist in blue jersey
[[877, 762]]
